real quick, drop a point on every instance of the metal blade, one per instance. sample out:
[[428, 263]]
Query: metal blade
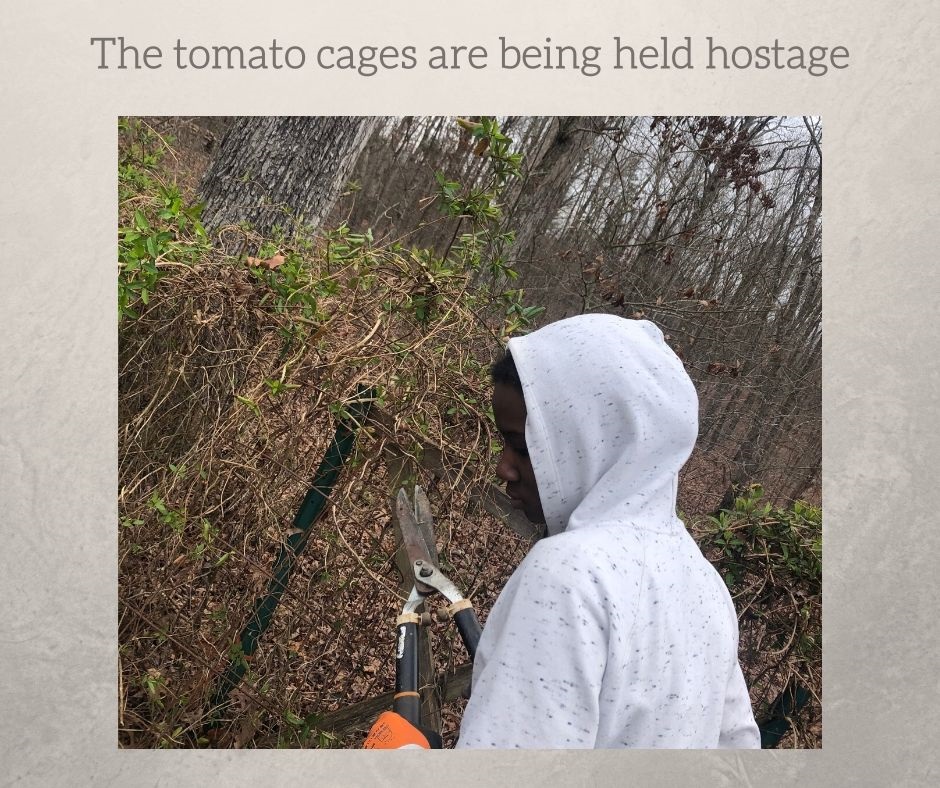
[[424, 517], [416, 548], [428, 574]]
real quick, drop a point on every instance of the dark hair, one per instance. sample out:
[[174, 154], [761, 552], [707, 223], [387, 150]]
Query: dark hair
[[504, 371]]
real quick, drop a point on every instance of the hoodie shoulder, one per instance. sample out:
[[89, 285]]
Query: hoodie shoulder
[[592, 571]]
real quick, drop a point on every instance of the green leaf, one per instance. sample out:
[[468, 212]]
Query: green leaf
[[250, 404]]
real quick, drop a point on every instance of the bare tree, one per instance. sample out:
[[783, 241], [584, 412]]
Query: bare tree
[[710, 226]]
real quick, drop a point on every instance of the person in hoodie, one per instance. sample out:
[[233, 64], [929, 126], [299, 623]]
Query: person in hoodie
[[614, 631]]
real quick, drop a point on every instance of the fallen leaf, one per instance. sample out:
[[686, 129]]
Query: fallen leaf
[[270, 262]]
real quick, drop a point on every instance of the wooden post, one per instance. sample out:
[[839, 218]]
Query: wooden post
[[359, 716]]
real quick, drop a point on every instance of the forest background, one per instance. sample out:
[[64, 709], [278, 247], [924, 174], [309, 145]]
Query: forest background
[[400, 254]]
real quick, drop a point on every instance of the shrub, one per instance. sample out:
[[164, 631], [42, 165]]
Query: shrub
[[771, 559]]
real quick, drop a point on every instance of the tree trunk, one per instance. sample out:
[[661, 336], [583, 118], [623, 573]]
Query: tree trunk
[[551, 168], [280, 173]]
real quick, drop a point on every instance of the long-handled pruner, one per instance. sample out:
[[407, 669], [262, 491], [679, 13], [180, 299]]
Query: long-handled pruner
[[428, 579]]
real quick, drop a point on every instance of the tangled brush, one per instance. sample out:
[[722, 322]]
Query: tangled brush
[[233, 372]]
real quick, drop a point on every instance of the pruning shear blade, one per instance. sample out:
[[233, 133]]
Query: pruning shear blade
[[414, 536]]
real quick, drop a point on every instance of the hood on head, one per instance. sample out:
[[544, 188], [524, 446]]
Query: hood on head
[[611, 418]]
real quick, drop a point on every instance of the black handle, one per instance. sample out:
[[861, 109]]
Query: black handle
[[407, 703], [469, 628]]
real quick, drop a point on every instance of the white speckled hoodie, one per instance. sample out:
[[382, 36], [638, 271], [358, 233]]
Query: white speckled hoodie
[[614, 631]]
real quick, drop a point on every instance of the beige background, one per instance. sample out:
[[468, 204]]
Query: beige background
[[58, 455]]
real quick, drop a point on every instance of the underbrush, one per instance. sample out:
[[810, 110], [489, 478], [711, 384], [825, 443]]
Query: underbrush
[[233, 372], [155, 228], [771, 560]]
